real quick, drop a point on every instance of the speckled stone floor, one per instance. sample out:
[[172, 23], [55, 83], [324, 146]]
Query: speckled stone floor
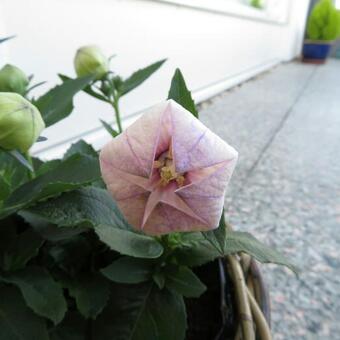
[[286, 188]]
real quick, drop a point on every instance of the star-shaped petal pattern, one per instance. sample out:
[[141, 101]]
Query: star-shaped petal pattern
[[201, 157]]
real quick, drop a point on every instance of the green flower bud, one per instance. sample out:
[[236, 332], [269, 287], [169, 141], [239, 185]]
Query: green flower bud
[[91, 60], [12, 79], [20, 122]]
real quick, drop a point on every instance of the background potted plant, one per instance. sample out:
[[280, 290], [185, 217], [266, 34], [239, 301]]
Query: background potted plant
[[323, 27]]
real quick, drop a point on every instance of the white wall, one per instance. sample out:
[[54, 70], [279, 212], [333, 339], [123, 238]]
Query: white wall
[[213, 50]]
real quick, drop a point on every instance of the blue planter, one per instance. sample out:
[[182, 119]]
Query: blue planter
[[316, 51]]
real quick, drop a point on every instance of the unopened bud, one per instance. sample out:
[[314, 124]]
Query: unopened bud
[[91, 60], [20, 122], [12, 79]]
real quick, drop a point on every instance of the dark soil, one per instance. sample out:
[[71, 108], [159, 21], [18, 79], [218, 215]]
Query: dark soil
[[205, 321]]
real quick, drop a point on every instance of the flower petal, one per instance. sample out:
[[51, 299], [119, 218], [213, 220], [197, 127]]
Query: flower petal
[[194, 145]]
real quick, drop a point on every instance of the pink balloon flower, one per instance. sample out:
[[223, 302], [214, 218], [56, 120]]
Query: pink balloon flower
[[168, 172]]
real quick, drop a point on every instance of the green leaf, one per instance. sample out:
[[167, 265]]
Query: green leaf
[[41, 293], [23, 248], [139, 77], [81, 147], [196, 254], [129, 242], [184, 282], [46, 166], [180, 93], [11, 171], [128, 270], [17, 321], [5, 189], [72, 255], [88, 206], [237, 242], [73, 327], [88, 89], [91, 293], [70, 174], [140, 312], [217, 237], [109, 129], [50, 231], [57, 103], [159, 279]]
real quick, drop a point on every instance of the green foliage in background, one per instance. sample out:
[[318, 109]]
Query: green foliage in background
[[324, 22]]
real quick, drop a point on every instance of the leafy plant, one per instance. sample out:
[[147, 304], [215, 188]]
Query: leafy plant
[[324, 22], [108, 87], [71, 266]]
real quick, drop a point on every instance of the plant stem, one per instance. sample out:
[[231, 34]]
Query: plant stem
[[115, 105], [31, 174]]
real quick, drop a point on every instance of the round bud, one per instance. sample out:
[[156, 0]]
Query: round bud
[[20, 122], [12, 79], [91, 60]]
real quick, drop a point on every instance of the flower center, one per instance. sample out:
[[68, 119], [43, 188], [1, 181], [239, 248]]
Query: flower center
[[167, 171]]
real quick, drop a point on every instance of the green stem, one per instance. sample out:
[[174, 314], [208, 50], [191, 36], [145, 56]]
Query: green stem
[[115, 105], [31, 174]]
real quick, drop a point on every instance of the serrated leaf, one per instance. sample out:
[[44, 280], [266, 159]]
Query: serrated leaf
[[41, 293], [184, 282], [23, 248], [91, 293], [80, 147], [47, 166], [57, 103], [109, 129], [139, 312], [196, 254], [237, 242], [88, 206], [88, 89], [128, 270], [180, 93], [217, 237], [129, 242], [49, 231], [139, 77], [17, 321], [70, 174]]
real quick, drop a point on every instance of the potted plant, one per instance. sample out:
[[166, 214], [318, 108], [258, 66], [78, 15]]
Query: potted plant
[[323, 27], [100, 246]]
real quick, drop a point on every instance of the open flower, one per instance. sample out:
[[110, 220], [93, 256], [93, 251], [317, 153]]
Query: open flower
[[168, 172]]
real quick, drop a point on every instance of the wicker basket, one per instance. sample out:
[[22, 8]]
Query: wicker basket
[[252, 298]]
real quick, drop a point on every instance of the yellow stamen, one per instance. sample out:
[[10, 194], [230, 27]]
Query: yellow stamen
[[167, 169], [158, 164], [180, 180]]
